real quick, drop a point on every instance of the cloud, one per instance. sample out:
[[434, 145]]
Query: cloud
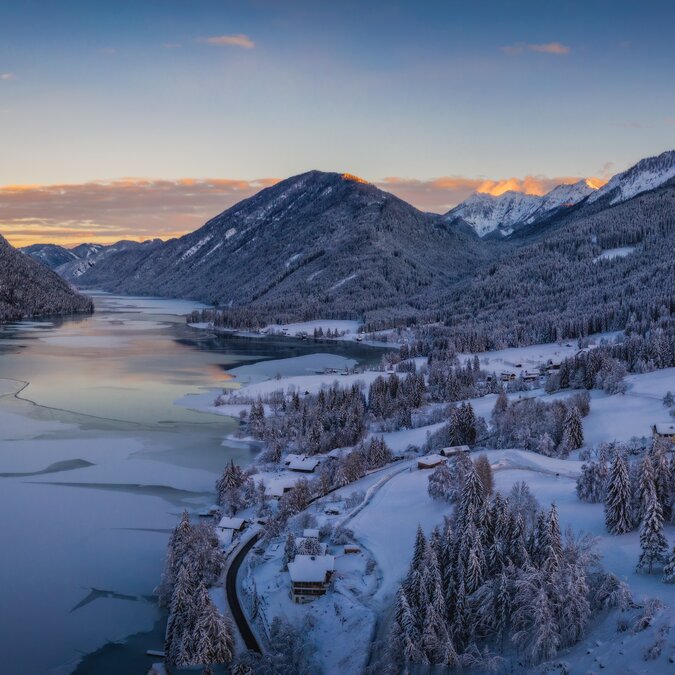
[[238, 40], [129, 208], [143, 208], [441, 194], [670, 121], [8, 76], [557, 48]]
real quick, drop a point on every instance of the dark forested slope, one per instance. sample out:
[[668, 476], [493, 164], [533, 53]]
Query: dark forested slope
[[29, 289], [318, 244]]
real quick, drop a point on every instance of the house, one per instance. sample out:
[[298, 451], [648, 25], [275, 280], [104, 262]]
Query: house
[[310, 576], [227, 523], [310, 533], [430, 461], [351, 548], [664, 430], [552, 365], [530, 376], [507, 377], [304, 465], [453, 450]]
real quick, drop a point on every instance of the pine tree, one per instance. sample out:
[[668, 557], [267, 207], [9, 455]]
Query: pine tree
[[652, 540], [573, 432], [662, 480], [290, 550], [669, 569], [216, 643], [484, 471], [618, 516]]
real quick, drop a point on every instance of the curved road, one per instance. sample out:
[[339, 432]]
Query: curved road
[[231, 577], [232, 599]]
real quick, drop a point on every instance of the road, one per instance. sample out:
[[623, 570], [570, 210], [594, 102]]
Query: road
[[233, 600]]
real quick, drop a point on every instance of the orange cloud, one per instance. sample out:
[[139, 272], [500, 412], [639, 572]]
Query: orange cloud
[[144, 208], [105, 212], [238, 40], [556, 48], [441, 194]]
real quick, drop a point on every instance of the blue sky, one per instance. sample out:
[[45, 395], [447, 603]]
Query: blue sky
[[161, 89]]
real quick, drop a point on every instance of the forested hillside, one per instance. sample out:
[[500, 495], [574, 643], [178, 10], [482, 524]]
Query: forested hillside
[[29, 289], [318, 244], [593, 273]]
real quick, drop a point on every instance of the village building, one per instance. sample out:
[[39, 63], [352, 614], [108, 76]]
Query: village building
[[430, 461], [664, 430], [505, 376], [453, 450], [310, 576], [304, 465], [530, 376], [310, 533], [236, 524]]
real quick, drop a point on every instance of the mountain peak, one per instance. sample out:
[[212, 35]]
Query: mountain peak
[[647, 174]]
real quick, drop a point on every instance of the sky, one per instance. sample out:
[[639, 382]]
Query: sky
[[143, 119]]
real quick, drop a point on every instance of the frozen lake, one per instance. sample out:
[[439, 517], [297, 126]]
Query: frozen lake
[[97, 462]]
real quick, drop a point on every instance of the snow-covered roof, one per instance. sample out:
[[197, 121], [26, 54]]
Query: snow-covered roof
[[227, 523], [665, 428], [454, 449], [304, 464], [311, 568], [310, 533], [430, 460], [277, 485], [292, 457]]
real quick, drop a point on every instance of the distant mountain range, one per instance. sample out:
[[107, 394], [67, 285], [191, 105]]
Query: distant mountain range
[[335, 246], [508, 212], [29, 289]]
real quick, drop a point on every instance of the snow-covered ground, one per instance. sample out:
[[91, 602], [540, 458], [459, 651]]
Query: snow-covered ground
[[611, 253]]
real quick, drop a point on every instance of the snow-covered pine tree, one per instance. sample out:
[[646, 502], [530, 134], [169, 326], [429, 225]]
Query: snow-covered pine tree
[[442, 483], [232, 479], [592, 483], [653, 542], [662, 479], [181, 621], [176, 549], [618, 516], [573, 432], [669, 568], [215, 643], [290, 550]]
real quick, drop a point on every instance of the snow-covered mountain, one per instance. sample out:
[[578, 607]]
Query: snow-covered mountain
[[51, 255], [510, 210], [647, 174], [317, 240], [93, 254]]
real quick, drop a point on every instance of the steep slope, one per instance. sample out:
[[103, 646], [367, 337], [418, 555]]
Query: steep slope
[[315, 244], [50, 255], [29, 289], [647, 174], [503, 214], [87, 250], [561, 286], [486, 213], [91, 255]]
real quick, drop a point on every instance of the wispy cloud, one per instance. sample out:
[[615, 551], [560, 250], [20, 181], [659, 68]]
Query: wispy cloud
[[557, 48], [8, 76], [237, 40], [142, 208], [130, 208]]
